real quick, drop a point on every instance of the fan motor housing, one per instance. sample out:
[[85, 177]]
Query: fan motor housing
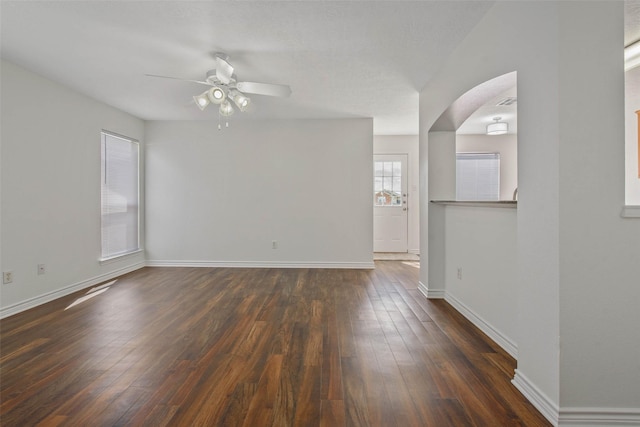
[[212, 79]]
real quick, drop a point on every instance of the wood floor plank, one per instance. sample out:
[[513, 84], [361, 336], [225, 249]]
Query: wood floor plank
[[379, 409], [260, 409], [256, 347], [355, 397], [236, 413], [331, 368], [53, 421], [332, 413]]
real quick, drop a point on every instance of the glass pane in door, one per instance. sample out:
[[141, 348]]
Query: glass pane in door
[[387, 183]]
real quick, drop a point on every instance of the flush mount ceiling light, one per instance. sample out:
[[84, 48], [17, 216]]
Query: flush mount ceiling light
[[497, 127], [224, 86]]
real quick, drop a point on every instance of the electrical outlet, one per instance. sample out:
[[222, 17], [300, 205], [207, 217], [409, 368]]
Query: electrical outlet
[[459, 273], [7, 277], [41, 269], [274, 244]]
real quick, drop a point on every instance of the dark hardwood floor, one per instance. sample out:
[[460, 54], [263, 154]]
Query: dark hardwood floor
[[256, 347]]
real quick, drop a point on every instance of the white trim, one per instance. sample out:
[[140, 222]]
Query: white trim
[[537, 398], [498, 337], [119, 136], [424, 290], [50, 296], [414, 251], [431, 293], [118, 257], [601, 417], [261, 264], [630, 211]]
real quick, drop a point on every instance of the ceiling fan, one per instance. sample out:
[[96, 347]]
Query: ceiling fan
[[224, 86]]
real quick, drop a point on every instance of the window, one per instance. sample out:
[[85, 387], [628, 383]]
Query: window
[[387, 183], [119, 198], [632, 128], [477, 176], [632, 136]]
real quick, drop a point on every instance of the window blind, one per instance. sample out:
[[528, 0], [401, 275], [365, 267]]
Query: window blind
[[119, 195], [477, 176]]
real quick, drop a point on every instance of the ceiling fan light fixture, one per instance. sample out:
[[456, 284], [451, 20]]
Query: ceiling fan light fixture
[[226, 109], [240, 99], [202, 100], [216, 95], [497, 127], [225, 87]]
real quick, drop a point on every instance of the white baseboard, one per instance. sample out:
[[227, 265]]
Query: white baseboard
[[630, 211], [502, 340], [431, 293], [414, 251], [58, 293], [575, 417], [601, 417], [537, 398], [261, 264]]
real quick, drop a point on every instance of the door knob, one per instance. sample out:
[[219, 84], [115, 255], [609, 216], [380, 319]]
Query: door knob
[[404, 209]]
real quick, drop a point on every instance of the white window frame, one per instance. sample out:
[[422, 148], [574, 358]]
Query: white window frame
[[475, 182], [136, 246]]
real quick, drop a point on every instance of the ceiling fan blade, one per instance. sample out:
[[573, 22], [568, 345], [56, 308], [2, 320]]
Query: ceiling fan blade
[[178, 78], [264, 89], [224, 70]]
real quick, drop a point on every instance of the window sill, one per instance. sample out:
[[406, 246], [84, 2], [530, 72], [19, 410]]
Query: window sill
[[630, 211], [115, 258]]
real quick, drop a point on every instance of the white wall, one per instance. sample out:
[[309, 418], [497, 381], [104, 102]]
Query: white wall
[[599, 251], [438, 158], [51, 188], [406, 144], [506, 145], [481, 241], [632, 104], [578, 259], [221, 197]]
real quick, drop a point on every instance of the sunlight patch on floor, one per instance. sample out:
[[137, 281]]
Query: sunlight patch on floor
[[415, 264], [97, 288], [91, 293]]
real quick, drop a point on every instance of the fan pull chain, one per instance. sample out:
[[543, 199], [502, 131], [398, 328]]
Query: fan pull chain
[[226, 122]]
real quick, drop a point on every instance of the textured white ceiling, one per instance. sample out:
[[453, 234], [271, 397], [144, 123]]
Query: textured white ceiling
[[471, 113], [478, 121], [341, 59], [631, 21]]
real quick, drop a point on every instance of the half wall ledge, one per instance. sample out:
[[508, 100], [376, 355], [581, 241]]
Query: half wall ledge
[[513, 204]]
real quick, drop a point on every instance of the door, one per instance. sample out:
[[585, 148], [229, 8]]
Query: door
[[390, 203]]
